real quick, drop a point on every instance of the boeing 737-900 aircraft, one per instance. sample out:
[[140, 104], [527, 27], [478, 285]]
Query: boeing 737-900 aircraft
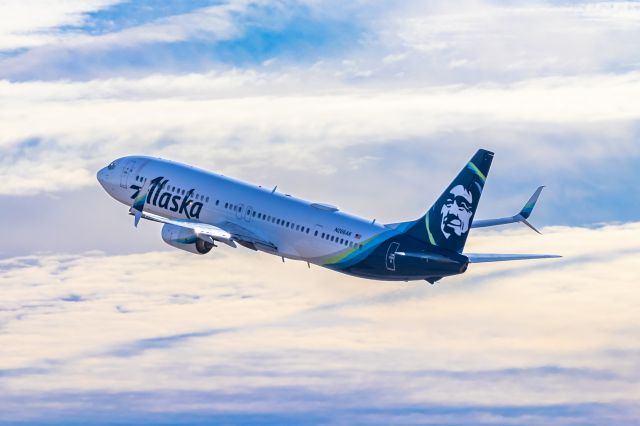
[[199, 208]]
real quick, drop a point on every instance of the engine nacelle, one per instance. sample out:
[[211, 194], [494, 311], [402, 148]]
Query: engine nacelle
[[184, 239]]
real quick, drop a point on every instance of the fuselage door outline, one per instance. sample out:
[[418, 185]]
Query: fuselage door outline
[[390, 258], [248, 213], [127, 169]]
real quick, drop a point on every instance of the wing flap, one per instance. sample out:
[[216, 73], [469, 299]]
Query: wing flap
[[433, 257]]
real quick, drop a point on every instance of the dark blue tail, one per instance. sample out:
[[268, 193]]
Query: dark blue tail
[[447, 223]]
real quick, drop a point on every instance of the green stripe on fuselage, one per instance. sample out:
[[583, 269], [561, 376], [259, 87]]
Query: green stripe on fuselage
[[346, 257]]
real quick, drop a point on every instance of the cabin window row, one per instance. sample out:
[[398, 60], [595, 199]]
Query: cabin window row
[[287, 224], [343, 241], [268, 218]]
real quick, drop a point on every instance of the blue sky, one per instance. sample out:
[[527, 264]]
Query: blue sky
[[369, 105]]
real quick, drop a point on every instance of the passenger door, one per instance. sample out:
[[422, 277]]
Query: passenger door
[[127, 170]]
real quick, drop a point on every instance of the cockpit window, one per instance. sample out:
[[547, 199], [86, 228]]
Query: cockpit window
[[111, 166]]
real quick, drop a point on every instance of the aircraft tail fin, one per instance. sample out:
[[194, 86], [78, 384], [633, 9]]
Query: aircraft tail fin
[[448, 221]]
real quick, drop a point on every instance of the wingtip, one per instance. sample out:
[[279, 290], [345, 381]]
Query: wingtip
[[137, 214], [531, 226], [531, 203]]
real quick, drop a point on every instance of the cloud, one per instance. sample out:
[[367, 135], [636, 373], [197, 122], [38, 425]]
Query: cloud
[[488, 40], [55, 135], [31, 23], [190, 39], [551, 335], [429, 43]]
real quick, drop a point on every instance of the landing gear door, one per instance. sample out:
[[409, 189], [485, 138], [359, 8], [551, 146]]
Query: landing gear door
[[127, 170], [390, 259]]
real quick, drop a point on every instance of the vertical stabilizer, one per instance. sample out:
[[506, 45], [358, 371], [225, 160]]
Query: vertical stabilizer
[[448, 222]]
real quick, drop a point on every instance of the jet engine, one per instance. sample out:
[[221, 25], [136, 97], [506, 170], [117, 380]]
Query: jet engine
[[185, 239]]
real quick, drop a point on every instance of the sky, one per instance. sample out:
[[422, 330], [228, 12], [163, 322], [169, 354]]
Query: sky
[[369, 105]]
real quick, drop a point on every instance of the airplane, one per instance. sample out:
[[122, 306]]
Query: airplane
[[199, 208]]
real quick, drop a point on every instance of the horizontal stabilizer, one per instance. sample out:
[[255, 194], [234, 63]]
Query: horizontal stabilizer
[[522, 216], [488, 257], [433, 257]]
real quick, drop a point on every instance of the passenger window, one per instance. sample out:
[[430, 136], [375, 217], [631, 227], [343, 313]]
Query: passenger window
[[253, 214], [217, 202], [206, 200], [315, 234], [332, 238]]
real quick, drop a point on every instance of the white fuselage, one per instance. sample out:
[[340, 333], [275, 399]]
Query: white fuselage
[[299, 229]]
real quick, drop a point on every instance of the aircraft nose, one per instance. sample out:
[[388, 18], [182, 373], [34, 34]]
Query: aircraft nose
[[105, 175], [102, 175]]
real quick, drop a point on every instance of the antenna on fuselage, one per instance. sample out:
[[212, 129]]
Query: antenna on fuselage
[[274, 189]]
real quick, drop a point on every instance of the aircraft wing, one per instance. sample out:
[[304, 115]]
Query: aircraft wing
[[489, 257], [476, 258], [522, 216], [228, 233], [248, 238], [204, 231]]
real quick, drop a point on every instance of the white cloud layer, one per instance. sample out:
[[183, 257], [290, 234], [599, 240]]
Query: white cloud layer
[[486, 40], [525, 334], [57, 134], [31, 23]]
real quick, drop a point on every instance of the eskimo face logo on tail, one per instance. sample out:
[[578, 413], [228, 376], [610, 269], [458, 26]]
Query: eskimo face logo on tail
[[169, 201], [449, 221], [456, 212]]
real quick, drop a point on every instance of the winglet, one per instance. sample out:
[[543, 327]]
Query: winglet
[[528, 208], [530, 226], [522, 216], [138, 203]]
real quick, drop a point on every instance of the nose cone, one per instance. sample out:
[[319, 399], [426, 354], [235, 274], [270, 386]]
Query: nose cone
[[103, 176]]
